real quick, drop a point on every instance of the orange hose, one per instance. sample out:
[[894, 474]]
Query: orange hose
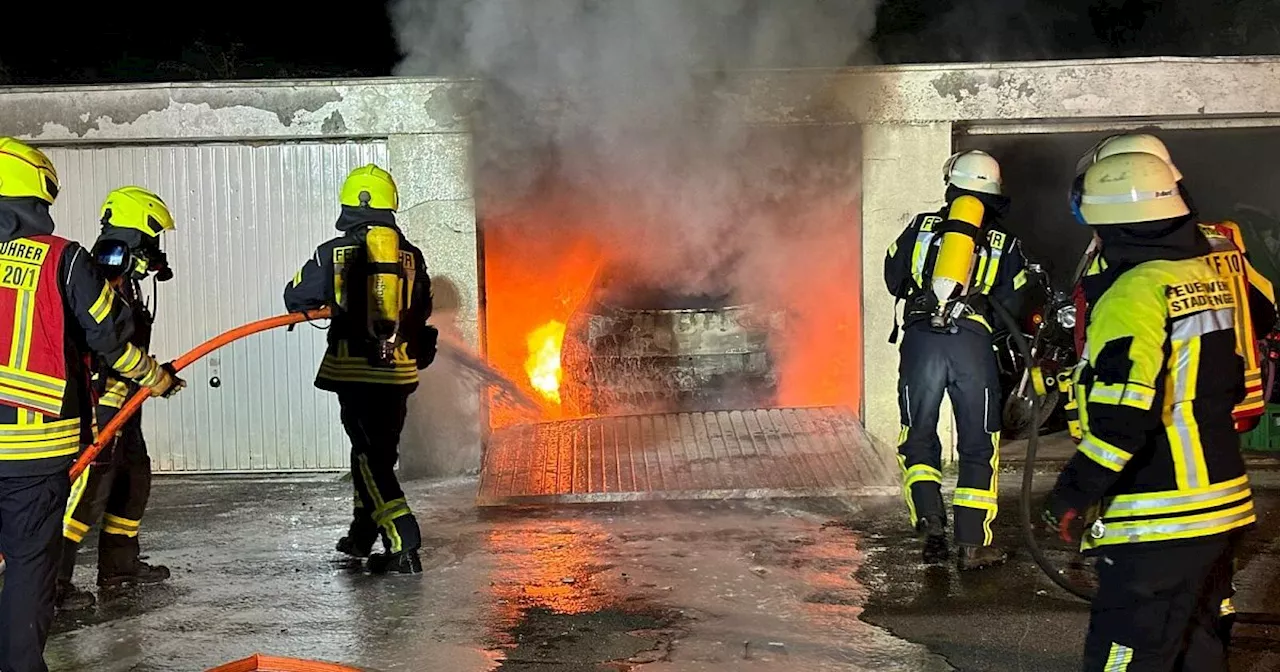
[[135, 402]]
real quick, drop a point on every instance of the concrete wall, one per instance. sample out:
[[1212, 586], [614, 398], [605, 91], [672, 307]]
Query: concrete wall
[[426, 124], [892, 159], [908, 113]]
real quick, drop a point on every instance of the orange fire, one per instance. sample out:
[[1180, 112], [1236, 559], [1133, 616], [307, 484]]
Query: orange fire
[[543, 364], [538, 269], [541, 259]]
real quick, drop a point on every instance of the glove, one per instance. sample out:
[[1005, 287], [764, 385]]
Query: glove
[[169, 382], [428, 342], [1062, 520]]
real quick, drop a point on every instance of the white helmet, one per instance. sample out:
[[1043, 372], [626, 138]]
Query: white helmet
[[973, 170], [1143, 143], [1128, 189]]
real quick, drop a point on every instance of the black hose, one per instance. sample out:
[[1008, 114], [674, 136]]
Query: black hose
[[1028, 473]]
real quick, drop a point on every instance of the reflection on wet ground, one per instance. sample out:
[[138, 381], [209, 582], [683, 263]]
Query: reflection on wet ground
[[756, 587], [707, 587]]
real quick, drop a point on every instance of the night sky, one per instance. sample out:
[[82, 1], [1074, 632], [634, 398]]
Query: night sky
[[147, 40]]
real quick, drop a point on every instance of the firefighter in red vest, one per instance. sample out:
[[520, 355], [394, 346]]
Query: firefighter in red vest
[[55, 311], [116, 487]]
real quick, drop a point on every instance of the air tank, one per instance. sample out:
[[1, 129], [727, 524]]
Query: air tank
[[386, 279], [953, 267]]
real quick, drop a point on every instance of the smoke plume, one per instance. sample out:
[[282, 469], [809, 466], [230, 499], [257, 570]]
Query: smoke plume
[[612, 97], [600, 127]]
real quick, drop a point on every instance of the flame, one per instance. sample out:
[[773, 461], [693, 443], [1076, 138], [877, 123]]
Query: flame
[[543, 364], [542, 258]]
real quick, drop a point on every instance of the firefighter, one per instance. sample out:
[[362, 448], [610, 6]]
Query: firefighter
[[1159, 469], [116, 487], [375, 282], [947, 348], [1255, 297], [60, 310], [1256, 315]]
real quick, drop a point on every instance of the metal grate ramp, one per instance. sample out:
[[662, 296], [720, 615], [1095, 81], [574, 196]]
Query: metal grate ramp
[[753, 454]]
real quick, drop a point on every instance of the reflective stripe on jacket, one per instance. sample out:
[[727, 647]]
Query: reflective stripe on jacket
[[1228, 259], [1155, 388], [337, 276], [33, 358], [998, 271]]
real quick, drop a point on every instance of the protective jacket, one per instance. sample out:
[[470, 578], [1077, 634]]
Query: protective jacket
[[337, 277], [1255, 315], [998, 273], [1158, 378], [111, 388], [59, 309]]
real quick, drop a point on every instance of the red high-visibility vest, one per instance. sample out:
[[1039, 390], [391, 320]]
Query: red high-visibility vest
[[33, 358]]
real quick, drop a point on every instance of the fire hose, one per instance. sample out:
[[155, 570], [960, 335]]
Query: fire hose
[[1028, 475], [1028, 472], [107, 433]]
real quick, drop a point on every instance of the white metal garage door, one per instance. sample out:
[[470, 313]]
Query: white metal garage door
[[247, 218]]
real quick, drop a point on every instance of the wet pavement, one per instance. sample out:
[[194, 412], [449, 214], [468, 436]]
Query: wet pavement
[[653, 588]]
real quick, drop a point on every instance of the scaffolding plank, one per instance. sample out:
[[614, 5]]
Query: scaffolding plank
[[752, 454]]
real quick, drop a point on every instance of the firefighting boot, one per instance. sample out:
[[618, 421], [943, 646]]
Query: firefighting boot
[[356, 548], [933, 529], [120, 565], [979, 557], [139, 574], [67, 597], [70, 598], [404, 562], [360, 534]]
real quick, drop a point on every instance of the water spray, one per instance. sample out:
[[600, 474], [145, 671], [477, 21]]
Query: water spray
[[455, 352]]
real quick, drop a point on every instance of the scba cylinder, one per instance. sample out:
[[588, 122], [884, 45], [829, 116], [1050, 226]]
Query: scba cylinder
[[382, 246], [953, 267]]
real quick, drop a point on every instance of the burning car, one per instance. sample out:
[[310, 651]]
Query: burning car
[[633, 347]]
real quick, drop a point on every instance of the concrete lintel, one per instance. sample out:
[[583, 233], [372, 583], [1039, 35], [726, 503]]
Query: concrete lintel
[[237, 111], [1145, 88], [988, 92]]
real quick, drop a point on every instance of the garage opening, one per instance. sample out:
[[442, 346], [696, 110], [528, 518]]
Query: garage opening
[[695, 337], [1230, 173]]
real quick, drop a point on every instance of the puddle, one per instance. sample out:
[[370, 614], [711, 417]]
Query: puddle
[[608, 640]]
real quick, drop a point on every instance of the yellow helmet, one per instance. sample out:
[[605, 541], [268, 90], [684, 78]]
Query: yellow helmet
[[1142, 143], [137, 208], [26, 171], [370, 187], [1128, 189], [973, 170]]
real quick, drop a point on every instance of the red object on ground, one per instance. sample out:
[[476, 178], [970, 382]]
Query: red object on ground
[[260, 663], [135, 402]]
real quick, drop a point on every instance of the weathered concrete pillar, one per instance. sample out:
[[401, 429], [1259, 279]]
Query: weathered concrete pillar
[[438, 213], [901, 176]]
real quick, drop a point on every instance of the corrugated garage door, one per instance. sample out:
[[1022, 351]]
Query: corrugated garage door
[[247, 218]]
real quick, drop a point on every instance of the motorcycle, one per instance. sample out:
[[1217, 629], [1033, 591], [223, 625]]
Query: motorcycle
[[1048, 328]]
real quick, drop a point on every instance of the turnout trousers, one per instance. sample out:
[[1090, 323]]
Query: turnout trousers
[[114, 489], [1157, 607], [373, 419], [963, 366], [31, 509]]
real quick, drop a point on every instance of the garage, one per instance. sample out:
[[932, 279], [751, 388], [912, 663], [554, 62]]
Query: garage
[[247, 217]]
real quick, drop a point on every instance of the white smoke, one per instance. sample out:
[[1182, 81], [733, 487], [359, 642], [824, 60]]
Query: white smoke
[[611, 99]]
